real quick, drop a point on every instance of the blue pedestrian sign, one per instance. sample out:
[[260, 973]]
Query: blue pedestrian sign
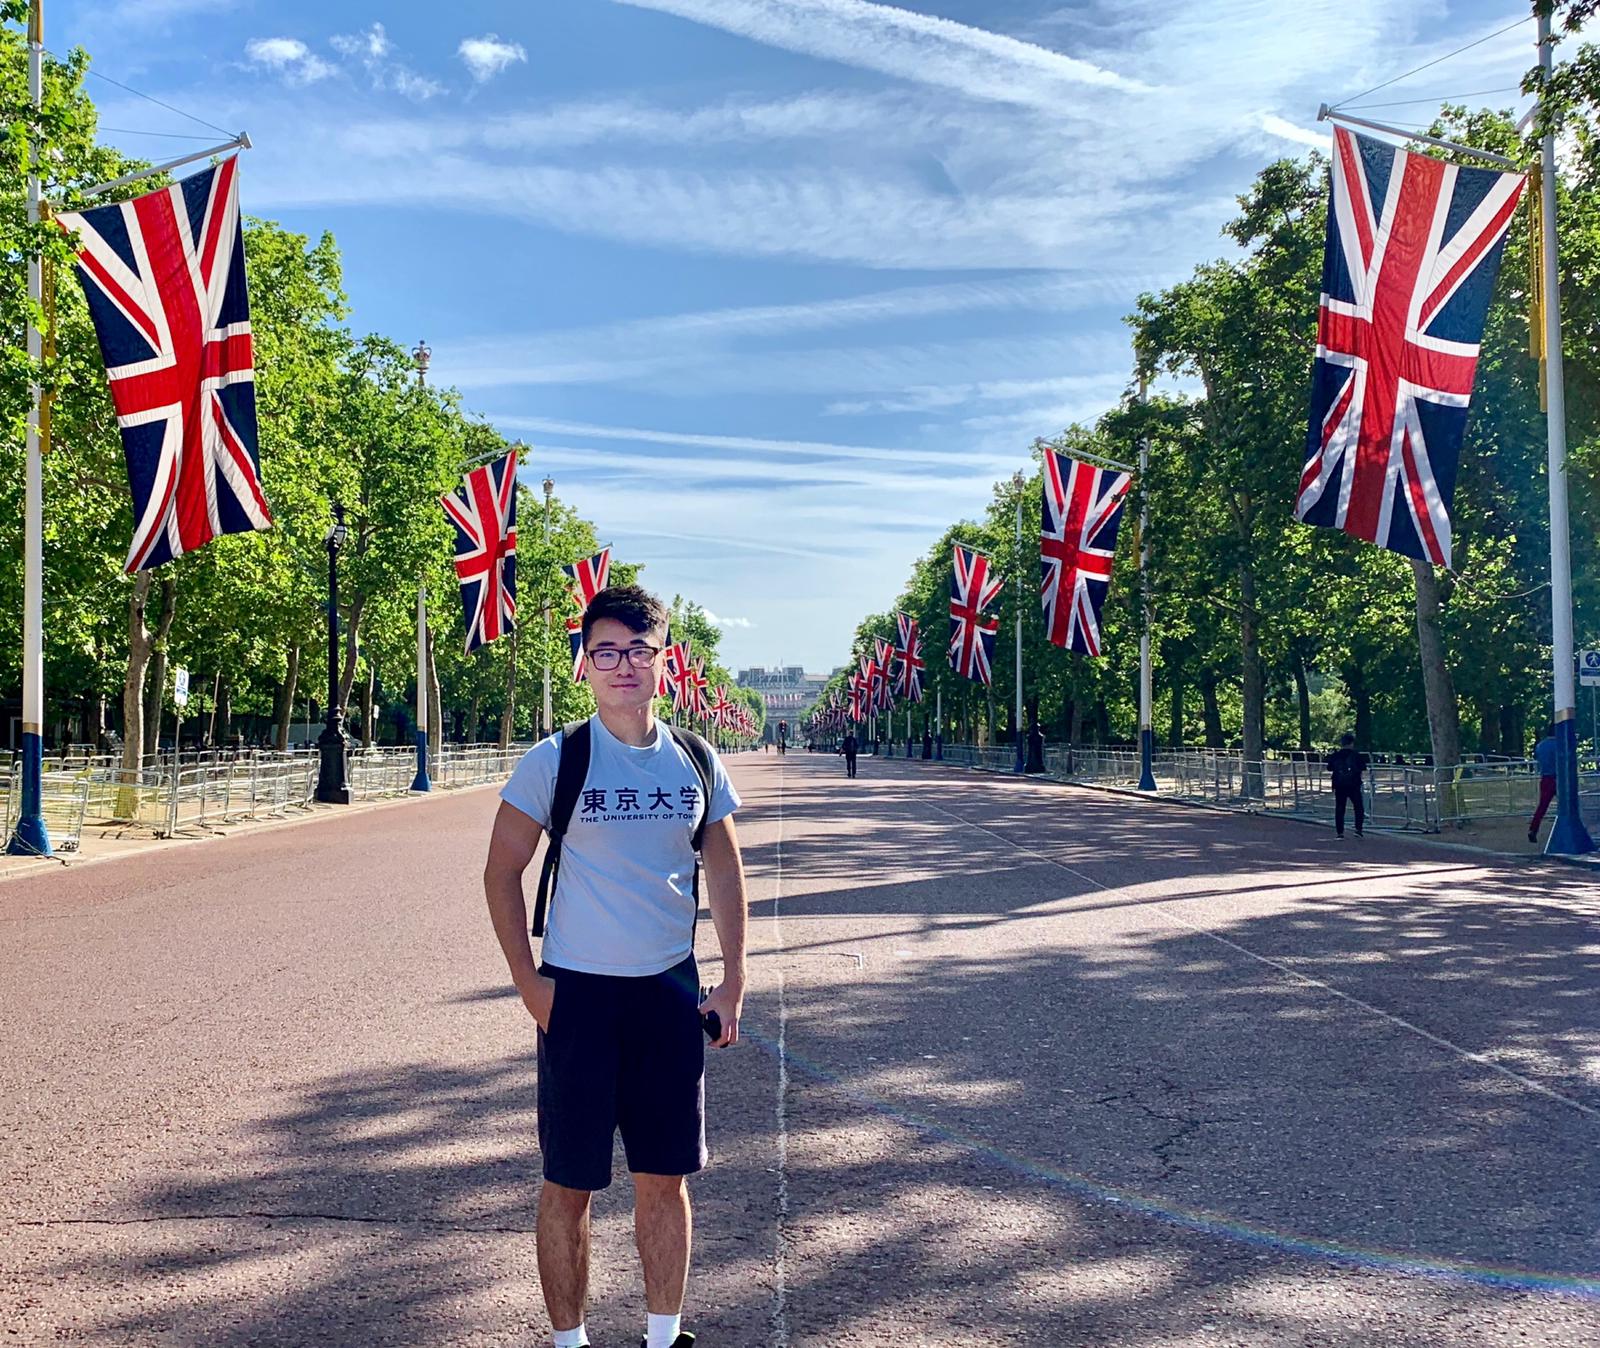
[[1589, 669]]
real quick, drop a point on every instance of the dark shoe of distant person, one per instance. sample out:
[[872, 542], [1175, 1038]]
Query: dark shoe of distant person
[[684, 1340]]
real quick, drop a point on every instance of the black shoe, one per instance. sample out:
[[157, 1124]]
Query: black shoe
[[682, 1341], [1360, 834], [1533, 836]]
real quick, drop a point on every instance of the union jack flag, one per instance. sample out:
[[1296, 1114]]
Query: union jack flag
[[165, 281], [883, 683], [722, 707], [973, 587], [909, 655], [1407, 274], [679, 676], [484, 512], [588, 576], [1082, 508]]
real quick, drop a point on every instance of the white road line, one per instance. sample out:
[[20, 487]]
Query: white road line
[[1288, 971], [780, 1304]]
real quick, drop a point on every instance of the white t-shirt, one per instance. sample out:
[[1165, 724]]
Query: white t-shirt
[[625, 900]]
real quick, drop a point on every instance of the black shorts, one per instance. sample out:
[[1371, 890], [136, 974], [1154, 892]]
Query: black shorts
[[624, 1053]]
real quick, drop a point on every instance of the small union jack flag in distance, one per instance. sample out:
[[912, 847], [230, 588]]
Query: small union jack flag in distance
[[484, 512], [588, 576], [1082, 508], [909, 655], [1407, 275], [973, 587], [165, 281]]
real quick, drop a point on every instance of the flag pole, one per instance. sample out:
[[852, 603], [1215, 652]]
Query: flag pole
[[1020, 483], [1147, 739], [239, 142], [1327, 114], [31, 837], [420, 782], [938, 721], [1567, 835]]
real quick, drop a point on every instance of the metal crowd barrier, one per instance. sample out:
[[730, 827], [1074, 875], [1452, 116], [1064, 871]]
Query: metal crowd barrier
[[63, 798], [1397, 795], [206, 789]]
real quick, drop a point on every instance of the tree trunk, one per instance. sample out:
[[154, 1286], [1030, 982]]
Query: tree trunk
[[989, 723], [1488, 726], [367, 734], [1211, 711], [1512, 739], [227, 712], [1253, 682], [133, 689], [1302, 692], [1355, 682], [352, 649], [155, 682], [284, 710], [211, 721], [1076, 733], [1444, 716], [1175, 725], [95, 704], [509, 711], [435, 712]]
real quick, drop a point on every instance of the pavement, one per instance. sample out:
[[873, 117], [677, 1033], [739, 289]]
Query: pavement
[[1022, 1065]]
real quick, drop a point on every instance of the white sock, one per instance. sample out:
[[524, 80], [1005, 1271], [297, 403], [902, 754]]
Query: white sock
[[572, 1338], [661, 1331]]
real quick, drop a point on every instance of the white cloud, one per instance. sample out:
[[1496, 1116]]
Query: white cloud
[[372, 45], [1274, 125], [374, 49], [907, 45], [289, 57], [727, 622], [487, 56]]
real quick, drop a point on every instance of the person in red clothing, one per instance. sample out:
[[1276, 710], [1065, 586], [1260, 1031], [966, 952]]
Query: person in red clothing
[[1545, 754]]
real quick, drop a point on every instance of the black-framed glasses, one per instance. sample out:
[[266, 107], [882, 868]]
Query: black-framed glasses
[[608, 658]]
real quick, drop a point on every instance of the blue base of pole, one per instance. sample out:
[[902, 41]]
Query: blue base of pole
[[1568, 836], [938, 748], [420, 782], [31, 838], [1147, 753]]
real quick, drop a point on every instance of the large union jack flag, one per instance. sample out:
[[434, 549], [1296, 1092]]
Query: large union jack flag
[[588, 576], [1407, 274], [973, 587], [1082, 508], [908, 682], [484, 512], [164, 277]]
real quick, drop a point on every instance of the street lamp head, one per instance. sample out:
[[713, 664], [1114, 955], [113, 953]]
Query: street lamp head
[[549, 486], [337, 533], [421, 354], [1018, 480]]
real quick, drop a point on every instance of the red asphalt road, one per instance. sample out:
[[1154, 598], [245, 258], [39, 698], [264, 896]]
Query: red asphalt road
[[1024, 1064]]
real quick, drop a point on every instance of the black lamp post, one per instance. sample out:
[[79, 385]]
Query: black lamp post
[[333, 785]]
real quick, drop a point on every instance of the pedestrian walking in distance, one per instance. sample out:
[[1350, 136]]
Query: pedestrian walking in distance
[[850, 747], [1546, 753], [1347, 766], [617, 1000]]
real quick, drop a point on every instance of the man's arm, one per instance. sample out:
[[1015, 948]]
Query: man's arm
[[719, 855], [511, 848]]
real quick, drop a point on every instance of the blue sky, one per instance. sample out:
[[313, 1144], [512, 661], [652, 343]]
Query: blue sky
[[775, 288]]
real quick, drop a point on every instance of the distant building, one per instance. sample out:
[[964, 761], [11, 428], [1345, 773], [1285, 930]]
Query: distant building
[[789, 693]]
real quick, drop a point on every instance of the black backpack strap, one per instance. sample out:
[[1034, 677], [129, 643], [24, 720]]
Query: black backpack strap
[[572, 769], [700, 755]]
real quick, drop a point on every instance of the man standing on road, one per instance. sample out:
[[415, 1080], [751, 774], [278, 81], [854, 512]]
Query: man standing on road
[[1546, 753], [1347, 765], [850, 747], [616, 997]]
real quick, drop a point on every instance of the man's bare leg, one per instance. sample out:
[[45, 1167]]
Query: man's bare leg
[[661, 1229], [563, 1242]]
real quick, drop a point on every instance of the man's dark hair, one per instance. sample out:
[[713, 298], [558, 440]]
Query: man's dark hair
[[636, 609], [1347, 739]]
